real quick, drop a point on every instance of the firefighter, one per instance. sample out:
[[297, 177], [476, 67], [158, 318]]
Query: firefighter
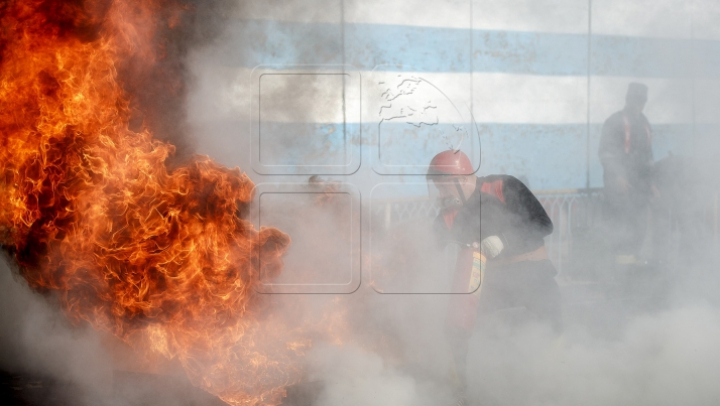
[[627, 159], [500, 217]]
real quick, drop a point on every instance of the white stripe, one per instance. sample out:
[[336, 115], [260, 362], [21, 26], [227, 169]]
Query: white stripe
[[557, 16], [707, 100], [301, 11], [223, 93], [218, 92], [670, 101], [513, 98], [705, 20], [641, 18], [443, 13], [566, 16]]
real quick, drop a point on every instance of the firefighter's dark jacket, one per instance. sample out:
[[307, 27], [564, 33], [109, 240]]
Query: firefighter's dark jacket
[[626, 150], [500, 206]]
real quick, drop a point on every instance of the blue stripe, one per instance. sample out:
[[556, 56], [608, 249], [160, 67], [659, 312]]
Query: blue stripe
[[550, 156], [432, 49], [530, 53], [706, 58]]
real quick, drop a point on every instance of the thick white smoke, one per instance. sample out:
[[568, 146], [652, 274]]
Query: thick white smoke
[[647, 346], [651, 341], [36, 340]]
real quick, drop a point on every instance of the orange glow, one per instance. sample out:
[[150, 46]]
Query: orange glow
[[91, 212]]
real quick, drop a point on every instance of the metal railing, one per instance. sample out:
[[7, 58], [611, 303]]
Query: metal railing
[[569, 210], [391, 212], [576, 215]]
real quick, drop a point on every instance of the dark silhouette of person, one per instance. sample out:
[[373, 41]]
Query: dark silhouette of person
[[627, 159]]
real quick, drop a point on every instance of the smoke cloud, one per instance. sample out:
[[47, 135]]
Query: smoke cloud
[[647, 339], [37, 340]]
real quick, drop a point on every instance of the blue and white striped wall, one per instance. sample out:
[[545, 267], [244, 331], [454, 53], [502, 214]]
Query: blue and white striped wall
[[540, 77]]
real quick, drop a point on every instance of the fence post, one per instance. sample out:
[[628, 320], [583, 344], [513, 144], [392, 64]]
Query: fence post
[[715, 218], [562, 219]]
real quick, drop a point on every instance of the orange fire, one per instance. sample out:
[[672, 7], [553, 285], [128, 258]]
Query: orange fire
[[90, 210]]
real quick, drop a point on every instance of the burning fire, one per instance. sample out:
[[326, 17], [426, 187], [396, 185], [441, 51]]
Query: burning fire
[[90, 210]]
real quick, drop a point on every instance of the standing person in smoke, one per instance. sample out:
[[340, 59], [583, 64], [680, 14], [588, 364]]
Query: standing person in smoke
[[496, 217], [627, 159]]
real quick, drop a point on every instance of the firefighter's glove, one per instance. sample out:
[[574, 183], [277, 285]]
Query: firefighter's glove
[[491, 246]]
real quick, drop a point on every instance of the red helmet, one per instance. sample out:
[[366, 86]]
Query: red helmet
[[450, 162]]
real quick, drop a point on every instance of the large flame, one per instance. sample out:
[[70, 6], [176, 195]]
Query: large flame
[[158, 257]]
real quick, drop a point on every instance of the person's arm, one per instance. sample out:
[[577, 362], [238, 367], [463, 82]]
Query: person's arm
[[649, 127], [611, 148], [530, 219]]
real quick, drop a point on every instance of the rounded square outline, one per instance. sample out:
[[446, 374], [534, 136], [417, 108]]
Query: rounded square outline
[[410, 170], [370, 233], [355, 240], [351, 105]]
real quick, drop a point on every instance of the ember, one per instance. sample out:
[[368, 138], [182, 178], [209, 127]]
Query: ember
[[88, 207]]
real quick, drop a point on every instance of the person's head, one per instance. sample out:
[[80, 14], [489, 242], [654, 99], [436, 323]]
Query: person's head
[[451, 175], [636, 97]]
